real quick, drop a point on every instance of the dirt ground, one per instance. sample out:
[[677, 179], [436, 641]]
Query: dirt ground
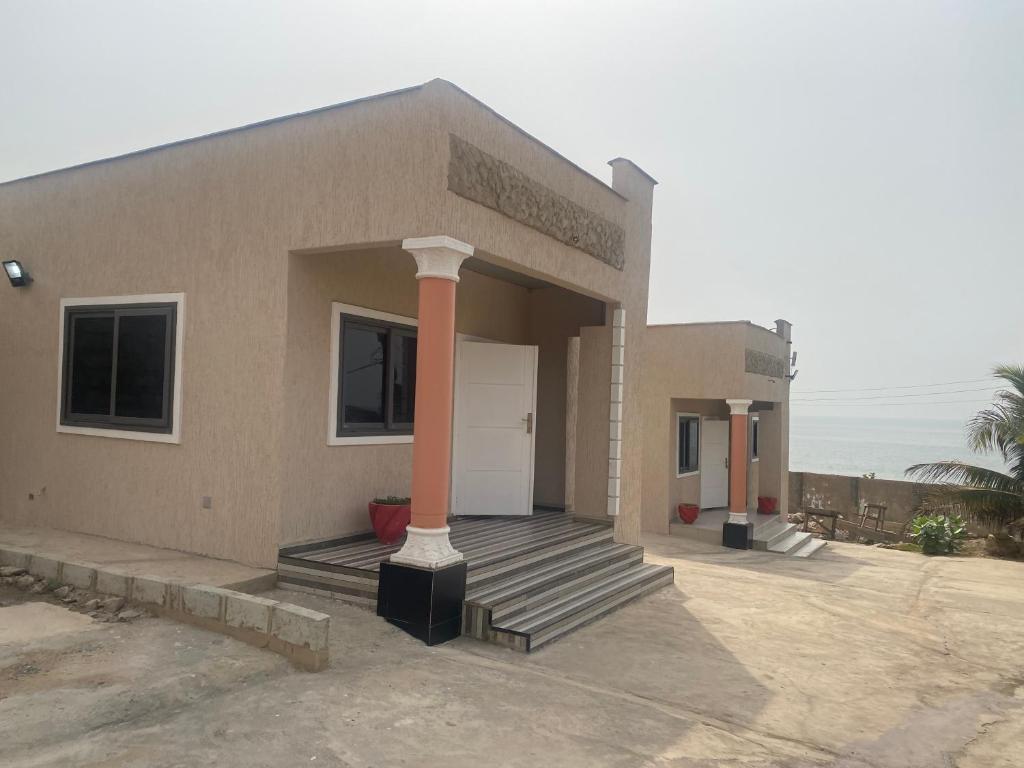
[[859, 657]]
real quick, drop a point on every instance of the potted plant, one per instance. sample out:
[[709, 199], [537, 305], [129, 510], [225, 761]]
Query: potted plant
[[767, 505], [390, 517], [688, 513]]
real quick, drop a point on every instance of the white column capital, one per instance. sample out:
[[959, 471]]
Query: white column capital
[[437, 256], [427, 548], [739, 407]]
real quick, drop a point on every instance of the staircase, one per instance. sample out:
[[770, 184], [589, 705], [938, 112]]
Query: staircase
[[537, 597], [529, 580], [784, 539]]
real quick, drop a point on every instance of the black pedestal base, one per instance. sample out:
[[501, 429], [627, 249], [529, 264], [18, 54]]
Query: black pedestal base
[[738, 535], [427, 604]]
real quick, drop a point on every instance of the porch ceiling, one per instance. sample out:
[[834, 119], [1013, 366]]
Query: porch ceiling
[[501, 273]]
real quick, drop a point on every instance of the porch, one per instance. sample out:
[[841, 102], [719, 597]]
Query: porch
[[530, 580]]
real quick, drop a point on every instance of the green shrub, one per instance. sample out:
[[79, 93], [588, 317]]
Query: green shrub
[[400, 501], [937, 534]]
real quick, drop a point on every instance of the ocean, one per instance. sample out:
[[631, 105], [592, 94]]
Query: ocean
[[886, 446]]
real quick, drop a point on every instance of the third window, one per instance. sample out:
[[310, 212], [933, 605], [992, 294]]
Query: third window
[[688, 443]]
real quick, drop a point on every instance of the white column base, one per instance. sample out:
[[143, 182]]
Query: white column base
[[427, 548], [739, 518]]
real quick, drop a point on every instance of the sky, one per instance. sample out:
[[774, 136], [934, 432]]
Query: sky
[[854, 167]]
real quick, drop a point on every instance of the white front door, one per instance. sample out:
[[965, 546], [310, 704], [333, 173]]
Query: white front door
[[714, 463], [495, 408]]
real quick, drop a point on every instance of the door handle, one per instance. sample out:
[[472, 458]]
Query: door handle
[[726, 462], [529, 423]]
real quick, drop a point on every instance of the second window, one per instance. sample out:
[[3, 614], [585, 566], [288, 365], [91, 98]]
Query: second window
[[377, 377]]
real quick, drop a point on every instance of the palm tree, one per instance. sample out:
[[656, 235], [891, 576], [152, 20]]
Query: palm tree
[[978, 494]]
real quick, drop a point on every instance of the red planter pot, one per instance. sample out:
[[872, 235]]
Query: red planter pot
[[389, 521], [688, 513], [767, 505]]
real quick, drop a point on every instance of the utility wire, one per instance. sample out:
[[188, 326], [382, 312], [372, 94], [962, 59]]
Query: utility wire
[[905, 402], [902, 386], [888, 397]]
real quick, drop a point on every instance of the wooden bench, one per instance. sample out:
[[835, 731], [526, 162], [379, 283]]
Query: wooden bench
[[821, 516]]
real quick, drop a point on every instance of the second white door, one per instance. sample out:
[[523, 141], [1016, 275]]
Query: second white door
[[714, 464], [493, 445]]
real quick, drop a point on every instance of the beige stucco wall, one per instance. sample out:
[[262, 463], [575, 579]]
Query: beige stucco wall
[[555, 316], [694, 368], [590, 497], [327, 487], [214, 219], [217, 219]]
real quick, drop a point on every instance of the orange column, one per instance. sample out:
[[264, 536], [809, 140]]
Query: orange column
[[438, 260], [432, 432], [738, 424]]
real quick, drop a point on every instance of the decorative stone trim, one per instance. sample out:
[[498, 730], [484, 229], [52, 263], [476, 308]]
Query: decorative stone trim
[[615, 411], [482, 178], [297, 633], [437, 256], [427, 548], [763, 364]]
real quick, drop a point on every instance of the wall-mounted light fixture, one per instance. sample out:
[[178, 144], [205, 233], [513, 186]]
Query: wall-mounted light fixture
[[16, 273]]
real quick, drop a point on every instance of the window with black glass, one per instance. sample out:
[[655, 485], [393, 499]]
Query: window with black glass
[[119, 367], [755, 424], [688, 444], [377, 377]]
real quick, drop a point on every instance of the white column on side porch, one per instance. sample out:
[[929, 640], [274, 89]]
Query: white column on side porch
[[615, 411]]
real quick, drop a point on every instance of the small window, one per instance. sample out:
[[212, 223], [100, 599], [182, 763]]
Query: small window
[[119, 367], [688, 444], [377, 377], [754, 429]]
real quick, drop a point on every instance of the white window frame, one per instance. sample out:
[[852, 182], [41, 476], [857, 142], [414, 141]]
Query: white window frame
[[700, 429], [337, 310], [174, 436], [750, 439]]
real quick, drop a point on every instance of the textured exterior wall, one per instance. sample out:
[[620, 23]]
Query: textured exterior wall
[[217, 219], [572, 390], [773, 478], [593, 399], [213, 219], [327, 487], [555, 316]]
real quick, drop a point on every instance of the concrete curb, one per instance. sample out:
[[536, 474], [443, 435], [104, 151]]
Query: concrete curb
[[297, 633]]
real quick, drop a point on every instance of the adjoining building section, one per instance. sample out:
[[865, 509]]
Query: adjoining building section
[[716, 434]]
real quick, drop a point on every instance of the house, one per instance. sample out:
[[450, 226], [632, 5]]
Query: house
[[716, 434], [226, 340]]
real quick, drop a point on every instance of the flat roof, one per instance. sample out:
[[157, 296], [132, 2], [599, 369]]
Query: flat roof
[[318, 110]]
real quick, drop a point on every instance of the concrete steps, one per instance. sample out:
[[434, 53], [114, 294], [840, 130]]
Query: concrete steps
[[783, 538]]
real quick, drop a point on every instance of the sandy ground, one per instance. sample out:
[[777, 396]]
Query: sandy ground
[[860, 657]]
